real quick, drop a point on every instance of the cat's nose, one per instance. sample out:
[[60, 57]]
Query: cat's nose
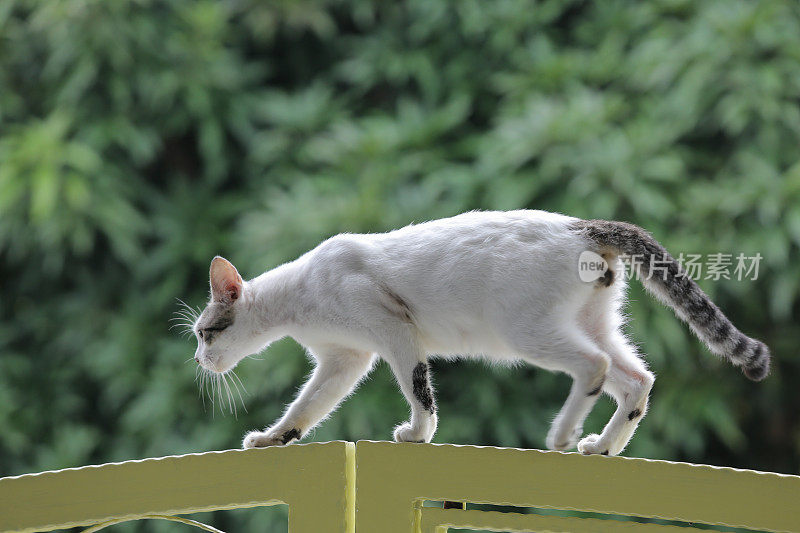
[[196, 359]]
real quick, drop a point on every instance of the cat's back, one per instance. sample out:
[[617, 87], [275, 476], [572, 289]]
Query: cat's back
[[476, 231], [473, 241]]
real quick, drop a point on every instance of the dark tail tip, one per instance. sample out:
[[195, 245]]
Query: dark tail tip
[[758, 369]]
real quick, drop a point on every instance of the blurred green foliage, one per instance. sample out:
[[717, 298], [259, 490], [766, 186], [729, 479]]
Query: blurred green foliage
[[140, 138]]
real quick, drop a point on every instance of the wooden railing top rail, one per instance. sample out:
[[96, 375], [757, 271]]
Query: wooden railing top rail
[[381, 486]]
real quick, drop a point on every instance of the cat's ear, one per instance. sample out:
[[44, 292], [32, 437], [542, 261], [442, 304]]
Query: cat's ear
[[226, 283]]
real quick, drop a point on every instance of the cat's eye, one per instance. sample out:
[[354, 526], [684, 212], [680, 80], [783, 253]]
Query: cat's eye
[[207, 334]]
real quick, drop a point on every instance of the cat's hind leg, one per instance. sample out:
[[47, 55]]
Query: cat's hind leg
[[629, 383], [588, 366], [337, 372], [575, 354]]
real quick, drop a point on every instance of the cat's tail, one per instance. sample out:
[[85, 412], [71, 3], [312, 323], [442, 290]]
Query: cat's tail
[[663, 276]]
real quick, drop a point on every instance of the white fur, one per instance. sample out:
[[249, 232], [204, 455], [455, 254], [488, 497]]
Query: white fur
[[502, 285]]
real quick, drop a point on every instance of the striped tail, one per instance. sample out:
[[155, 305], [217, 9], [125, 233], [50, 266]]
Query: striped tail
[[662, 275]]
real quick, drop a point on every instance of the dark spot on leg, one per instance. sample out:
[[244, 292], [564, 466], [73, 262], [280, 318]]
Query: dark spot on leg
[[290, 435], [597, 389], [422, 388], [604, 453], [636, 413]]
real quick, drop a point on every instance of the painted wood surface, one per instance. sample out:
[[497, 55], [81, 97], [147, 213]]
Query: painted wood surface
[[393, 480], [315, 480], [380, 487], [433, 520]]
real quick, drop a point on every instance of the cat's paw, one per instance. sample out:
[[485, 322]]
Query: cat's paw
[[593, 444], [406, 433], [262, 439], [558, 440]]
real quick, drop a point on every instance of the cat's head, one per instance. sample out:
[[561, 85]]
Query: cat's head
[[225, 330]]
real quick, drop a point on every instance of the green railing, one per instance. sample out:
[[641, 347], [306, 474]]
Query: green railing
[[384, 487]]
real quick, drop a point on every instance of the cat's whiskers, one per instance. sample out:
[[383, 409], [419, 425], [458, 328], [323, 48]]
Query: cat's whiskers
[[216, 392], [212, 383], [220, 390], [221, 383], [211, 391], [188, 308], [206, 387], [180, 322], [182, 313], [185, 318], [185, 324], [235, 376], [203, 389], [229, 394], [234, 379], [219, 394]]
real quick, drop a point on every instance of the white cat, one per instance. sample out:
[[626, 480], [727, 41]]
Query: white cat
[[502, 285]]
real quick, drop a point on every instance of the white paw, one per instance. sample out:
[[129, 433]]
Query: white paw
[[270, 437], [405, 433], [558, 440], [592, 444]]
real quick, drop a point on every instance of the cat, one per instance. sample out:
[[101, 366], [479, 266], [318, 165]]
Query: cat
[[500, 285]]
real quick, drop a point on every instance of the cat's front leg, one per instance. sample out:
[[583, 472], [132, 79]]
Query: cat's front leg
[[270, 437], [337, 372], [408, 432], [412, 373]]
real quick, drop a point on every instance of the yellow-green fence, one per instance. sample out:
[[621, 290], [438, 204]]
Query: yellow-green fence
[[383, 487]]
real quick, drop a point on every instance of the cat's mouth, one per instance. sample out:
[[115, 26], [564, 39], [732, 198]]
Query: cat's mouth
[[210, 363], [216, 365]]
